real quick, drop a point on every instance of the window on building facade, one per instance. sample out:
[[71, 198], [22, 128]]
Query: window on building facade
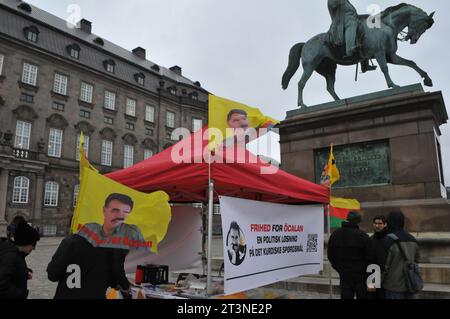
[[25, 7], [31, 33], [23, 134], [21, 190], [129, 126], [51, 194], [74, 51], [128, 155], [99, 41], [85, 146], [50, 230], [170, 119], [150, 113], [131, 107], [2, 59], [108, 120], [110, 66], [196, 125], [106, 156], [147, 154], [173, 90], [110, 100], [85, 114], [76, 191], [60, 84], [26, 98], [140, 78], [86, 92], [55, 142], [58, 106], [148, 131], [29, 74]]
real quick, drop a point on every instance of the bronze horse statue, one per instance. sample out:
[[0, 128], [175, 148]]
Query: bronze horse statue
[[379, 43]]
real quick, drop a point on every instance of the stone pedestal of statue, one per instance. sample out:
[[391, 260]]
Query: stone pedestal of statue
[[387, 147]]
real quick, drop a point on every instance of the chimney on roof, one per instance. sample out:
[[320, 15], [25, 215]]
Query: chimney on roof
[[176, 69], [140, 52], [85, 25]]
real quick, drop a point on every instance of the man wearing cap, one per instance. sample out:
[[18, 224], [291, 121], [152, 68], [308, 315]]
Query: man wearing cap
[[350, 251], [14, 272]]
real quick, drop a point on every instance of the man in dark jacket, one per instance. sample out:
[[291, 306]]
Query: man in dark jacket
[[97, 268], [380, 232], [393, 277], [14, 272], [350, 251]]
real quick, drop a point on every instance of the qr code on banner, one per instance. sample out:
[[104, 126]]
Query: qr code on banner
[[311, 246]]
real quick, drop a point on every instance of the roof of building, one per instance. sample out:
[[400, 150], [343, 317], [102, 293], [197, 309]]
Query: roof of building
[[42, 17]]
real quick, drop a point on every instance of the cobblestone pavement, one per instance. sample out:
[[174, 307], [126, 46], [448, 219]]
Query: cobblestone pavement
[[41, 288]]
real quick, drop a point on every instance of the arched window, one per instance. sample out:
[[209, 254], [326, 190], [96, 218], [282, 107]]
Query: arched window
[[99, 41], [51, 194], [76, 191], [21, 190], [140, 78], [109, 65], [74, 50], [25, 7], [31, 33]]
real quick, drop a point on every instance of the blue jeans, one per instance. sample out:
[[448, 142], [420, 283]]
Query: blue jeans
[[399, 295]]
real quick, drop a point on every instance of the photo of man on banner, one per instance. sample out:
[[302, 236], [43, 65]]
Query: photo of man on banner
[[237, 248], [116, 210]]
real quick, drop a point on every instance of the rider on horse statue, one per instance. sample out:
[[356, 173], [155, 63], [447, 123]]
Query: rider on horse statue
[[345, 29]]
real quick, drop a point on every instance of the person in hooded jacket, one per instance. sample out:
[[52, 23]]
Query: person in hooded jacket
[[350, 251], [394, 281], [14, 273]]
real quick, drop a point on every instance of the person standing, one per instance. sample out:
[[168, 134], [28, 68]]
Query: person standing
[[399, 244], [380, 232], [14, 273], [350, 251], [97, 269]]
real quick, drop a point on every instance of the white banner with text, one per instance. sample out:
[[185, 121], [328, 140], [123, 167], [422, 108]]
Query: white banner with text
[[265, 243]]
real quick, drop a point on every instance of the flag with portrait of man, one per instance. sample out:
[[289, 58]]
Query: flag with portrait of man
[[227, 119], [109, 214]]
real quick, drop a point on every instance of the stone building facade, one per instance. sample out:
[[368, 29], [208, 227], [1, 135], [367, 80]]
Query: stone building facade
[[56, 82]]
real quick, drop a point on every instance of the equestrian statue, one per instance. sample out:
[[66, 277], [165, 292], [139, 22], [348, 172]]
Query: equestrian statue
[[356, 39]]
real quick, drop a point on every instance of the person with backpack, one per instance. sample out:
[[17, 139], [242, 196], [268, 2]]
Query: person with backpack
[[400, 268]]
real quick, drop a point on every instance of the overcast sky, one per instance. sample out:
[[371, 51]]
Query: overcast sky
[[238, 49]]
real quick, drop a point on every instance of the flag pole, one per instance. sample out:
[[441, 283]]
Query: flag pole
[[210, 225], [328, 247]]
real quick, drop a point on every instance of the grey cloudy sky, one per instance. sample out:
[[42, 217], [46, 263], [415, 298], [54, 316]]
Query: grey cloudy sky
[[238, 49]]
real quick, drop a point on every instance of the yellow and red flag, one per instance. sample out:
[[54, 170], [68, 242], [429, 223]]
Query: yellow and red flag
[[142, 228], [339, 209], [225, 116]]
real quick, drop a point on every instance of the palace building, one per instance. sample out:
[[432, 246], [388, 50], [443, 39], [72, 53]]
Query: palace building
[[56, 82]]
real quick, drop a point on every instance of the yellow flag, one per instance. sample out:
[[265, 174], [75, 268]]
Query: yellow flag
[[345, 203], [109, 214], [225, 116], [333, 171]]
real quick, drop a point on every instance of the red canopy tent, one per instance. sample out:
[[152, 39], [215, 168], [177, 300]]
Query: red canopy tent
[[183, 172]]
